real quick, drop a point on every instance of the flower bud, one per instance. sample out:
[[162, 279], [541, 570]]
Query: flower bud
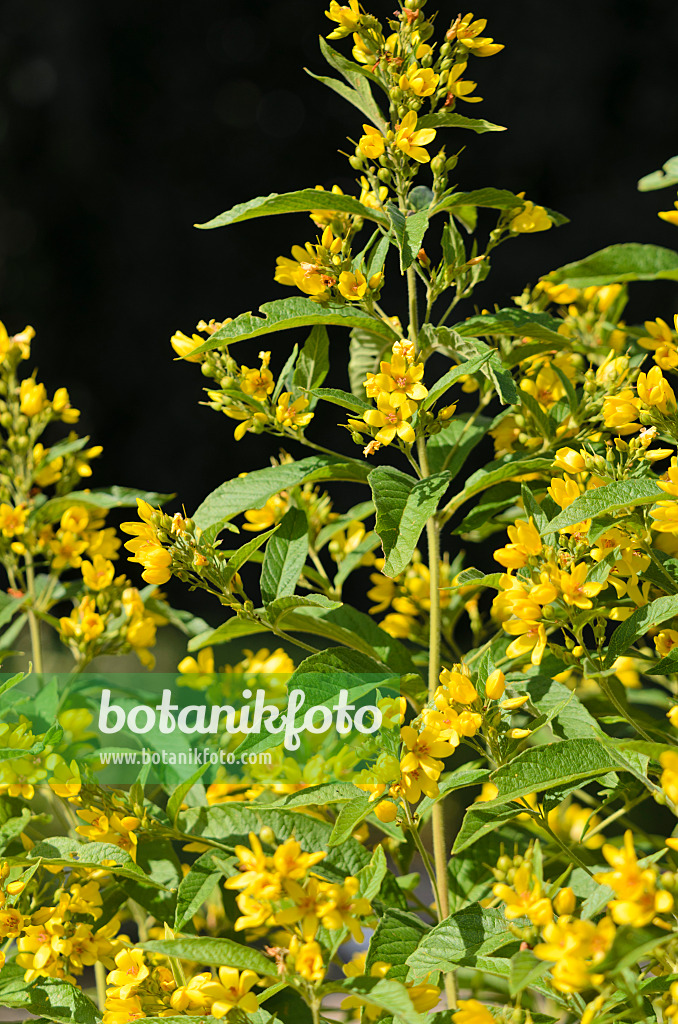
[[565, 901], [495, 685], [386, 811], [512, 703]]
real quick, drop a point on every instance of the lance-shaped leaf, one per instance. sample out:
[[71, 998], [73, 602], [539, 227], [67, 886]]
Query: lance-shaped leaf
[[111, 497], [444, 120], [609, 498], [50, 999], [296, 311], [395, 939], [637, 625], [409, 230], [385, 994], [216, 952], [462, 939], [286, 553], [314, 360], [254, 490], [446, 382], [554, 764], [494, 198], [197, 887], [354, 403], [358, 91], [509, 467], [667, 177], [630, 261], [451, 448], [513, 322], [403, 505], [59, 850], [293, 202]]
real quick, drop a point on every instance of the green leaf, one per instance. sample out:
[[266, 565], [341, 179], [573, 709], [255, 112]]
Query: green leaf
[[449, 450], [292, 202], [344, 625], [445, 120], [513, 323], [495, 198], [232, 823], [462, 939], [296, 311], [666, 178], [391, 996], [69, 852], [621, 494], [349, 817], [525, 969], [324, 793], [446, 382], [214, 952], [483, 819], [554, 764], [181, 792], [396, 937], [244, 553], [52, 999], [630, 945], [366, 349], [474, 577], [409, 229], [314, 360], [403, 505], [506, 468], [277, 609], [197, 887], [254, 490], [573, 720], [286, 554], [354, 403], [112, 497], [458, 779], [358, 78], [637, 625], [630, 261]]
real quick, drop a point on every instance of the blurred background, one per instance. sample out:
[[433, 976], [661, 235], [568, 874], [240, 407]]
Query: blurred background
[[121, 125]]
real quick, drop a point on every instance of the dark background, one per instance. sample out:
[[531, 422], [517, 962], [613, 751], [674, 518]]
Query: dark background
[[122, 124]]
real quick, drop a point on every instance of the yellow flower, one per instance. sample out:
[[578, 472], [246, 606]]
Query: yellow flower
[[524, 897], [198, 667], [531, 218], [307, 960], [420, 765], [639, 899], [84, 623], [303, 272], [670, 216], [266, 516], [495, 685], [530, 637], [372, 144], [467, 31], [347, 18], [569, 461], [400, 380], [455, 686], [410, 142], [102, 828], [420, 81], [661, 342], [352, 286], [146, 549], [292, 416], [257, 383], [97, 575], [184, 346], [669, 777], [665, 641], [61, 404], [12, 520], [576, 947], [620, 411], [655, 391], [471, 1011], [525, 543], [458, 89], [32, 397], [574, 588], [390, 421]]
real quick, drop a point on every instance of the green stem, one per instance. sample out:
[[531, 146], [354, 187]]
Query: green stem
[[100, 978], [33, 623]]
